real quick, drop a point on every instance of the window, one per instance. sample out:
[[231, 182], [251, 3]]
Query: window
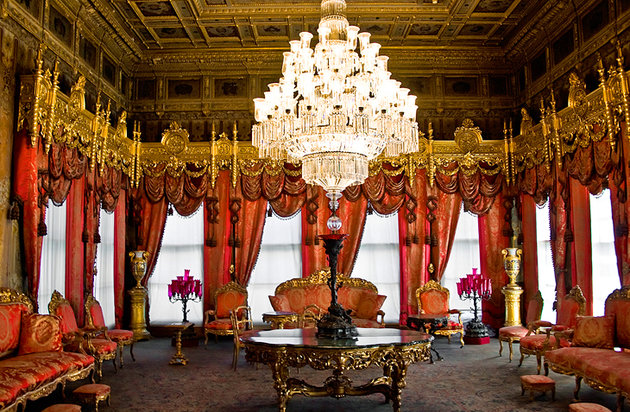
[[378, 261], [104, 265], [546, 276], [182, 248], [464, 256], [604, 259], [52, 269], [279, 259]]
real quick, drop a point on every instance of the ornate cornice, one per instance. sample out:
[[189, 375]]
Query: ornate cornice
[[45, 111]]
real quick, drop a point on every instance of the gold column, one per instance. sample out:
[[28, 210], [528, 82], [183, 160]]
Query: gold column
[[512, 291], [138, 295]]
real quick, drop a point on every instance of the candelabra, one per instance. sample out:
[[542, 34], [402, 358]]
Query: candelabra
[[184, 289], [475, 287]]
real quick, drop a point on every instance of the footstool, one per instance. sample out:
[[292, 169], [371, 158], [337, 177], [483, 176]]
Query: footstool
[[538, 383], [587, 407], [92, 394], [63, 407]]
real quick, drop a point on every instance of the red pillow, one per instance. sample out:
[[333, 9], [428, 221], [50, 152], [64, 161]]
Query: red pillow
[[10, 318], [280, 303], [594, 332], [40, 333]]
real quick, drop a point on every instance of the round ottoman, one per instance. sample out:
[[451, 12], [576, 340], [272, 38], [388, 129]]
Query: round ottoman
[[587, 407], [538, 383], [63, 407], [92, 394]]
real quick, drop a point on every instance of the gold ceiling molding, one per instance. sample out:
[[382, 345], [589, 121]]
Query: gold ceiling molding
[[56, 118]]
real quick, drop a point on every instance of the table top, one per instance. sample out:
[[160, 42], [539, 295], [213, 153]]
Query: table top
[[367, 338], [429, 316], [180, 325]]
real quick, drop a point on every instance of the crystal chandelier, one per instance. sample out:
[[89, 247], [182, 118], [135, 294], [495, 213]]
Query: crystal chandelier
[[335, 109]]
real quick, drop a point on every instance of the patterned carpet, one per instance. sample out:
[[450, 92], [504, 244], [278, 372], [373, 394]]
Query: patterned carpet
[[470, 379]]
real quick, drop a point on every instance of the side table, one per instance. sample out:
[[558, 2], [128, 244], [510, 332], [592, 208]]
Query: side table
[[278, 319], [179, 358]]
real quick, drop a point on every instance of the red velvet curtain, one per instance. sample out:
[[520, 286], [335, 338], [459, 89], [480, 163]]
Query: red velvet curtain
[[75, 251], [446, 208], [153, 220], [621, 208], [26, 191], [561, 232], [492, 241], [216, 256], [120, 231], [582, 253], [413, 228], [530, 248], [249, 229]]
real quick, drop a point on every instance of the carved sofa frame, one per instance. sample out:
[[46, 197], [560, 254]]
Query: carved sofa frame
[[609, 372], [15, 362], [311, 310]]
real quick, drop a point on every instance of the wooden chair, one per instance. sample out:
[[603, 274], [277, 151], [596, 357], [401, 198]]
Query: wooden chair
[[511, 334], [94, 320], [433, 301], [217, 321], [241, 318], [100, 349], [568, 309]]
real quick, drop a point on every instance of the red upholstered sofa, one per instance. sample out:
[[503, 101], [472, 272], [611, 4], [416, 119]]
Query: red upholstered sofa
[[591, 356], [358, 295], [32, 362]]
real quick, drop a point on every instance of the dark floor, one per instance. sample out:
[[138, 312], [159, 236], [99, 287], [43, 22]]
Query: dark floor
[[474, 378]]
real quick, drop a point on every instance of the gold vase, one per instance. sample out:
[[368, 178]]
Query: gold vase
[[138, 295], [512, 291]]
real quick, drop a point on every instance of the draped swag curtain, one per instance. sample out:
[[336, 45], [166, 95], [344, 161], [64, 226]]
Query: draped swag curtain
[[427, 213], [62, 175]]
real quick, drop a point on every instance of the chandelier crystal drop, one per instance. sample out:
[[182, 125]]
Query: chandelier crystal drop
[[335, 109]]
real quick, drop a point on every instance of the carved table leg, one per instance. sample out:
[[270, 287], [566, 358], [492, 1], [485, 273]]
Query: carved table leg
[[178, 358], [280, 373], [398, 383]]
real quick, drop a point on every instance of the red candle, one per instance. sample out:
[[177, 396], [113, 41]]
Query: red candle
[[186, 273], [170, 291], [459, 288]]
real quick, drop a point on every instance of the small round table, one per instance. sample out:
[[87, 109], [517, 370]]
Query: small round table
[[278, 319], [392, 349], [430, 323]]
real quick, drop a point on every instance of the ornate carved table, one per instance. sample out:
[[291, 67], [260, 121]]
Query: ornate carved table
[[278, 319], [392, 349], [179, 358]]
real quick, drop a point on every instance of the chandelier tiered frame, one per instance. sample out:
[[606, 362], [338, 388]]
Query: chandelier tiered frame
[[335, 109]]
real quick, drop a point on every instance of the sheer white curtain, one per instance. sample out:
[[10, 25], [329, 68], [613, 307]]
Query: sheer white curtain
[[604, 258], [378, 261], [182, 248], [546, 276], [52, 269], [464, 256], [104, 279], [280, 259]]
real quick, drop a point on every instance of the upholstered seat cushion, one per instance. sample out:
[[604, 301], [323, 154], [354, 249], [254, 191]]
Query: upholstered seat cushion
[[366, 323], [454, 325], [604, 365], [23, 373], [118, 335], [219, 324], [513, 331], [536, 342], [103, 346], [63, 407], [535, 380], [587, 407], [92, 390]]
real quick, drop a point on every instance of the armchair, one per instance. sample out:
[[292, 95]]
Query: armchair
[[100, 349], [568, 309], [217, 321], [433, 302], [511, 334], [95, 321], [241, 318]]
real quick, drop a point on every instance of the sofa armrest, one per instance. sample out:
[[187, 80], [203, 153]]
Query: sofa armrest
[[207, 314], [382, 315], [566, 334]]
